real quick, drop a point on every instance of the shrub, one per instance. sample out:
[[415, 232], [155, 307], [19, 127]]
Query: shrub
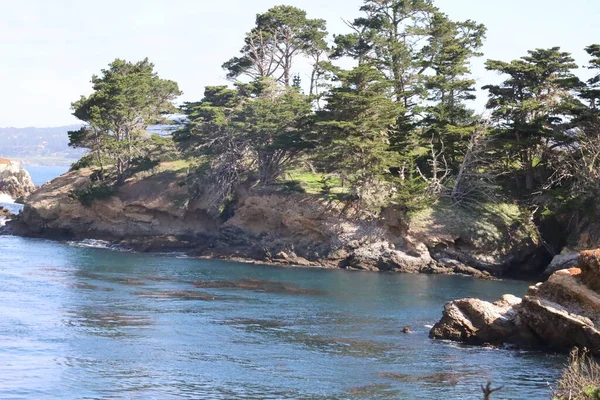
[[141, 164], [581, 378], [93, 192], [86, 161]]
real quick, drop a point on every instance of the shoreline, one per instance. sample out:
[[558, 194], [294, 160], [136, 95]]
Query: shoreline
[[189, 252]]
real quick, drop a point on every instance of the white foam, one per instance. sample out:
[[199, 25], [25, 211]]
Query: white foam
[[4, 198], [98, 244]]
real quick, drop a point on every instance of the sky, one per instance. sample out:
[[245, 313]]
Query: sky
[[50, 49]]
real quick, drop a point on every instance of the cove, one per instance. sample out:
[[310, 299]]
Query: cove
[[82, 322]]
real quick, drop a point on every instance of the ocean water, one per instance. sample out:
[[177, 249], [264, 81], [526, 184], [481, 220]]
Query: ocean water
[[80, 321], [44, 174]]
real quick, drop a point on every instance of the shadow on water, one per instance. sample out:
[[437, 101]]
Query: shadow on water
[[89, 286], [438, 378], [129, 281], [257, 285], [178, 295], [106, 323], [376, 391], [284, 331]]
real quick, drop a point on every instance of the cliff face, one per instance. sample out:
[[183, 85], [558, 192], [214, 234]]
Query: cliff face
[[560, 314], [154, 214], [14, 180]]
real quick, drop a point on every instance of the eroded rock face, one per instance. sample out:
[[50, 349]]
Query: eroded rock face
[[141, 209], [155, 213], [560, 314], [14, 180]]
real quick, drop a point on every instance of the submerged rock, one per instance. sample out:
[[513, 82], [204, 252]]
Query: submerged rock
[[562, 313], [15, 181]]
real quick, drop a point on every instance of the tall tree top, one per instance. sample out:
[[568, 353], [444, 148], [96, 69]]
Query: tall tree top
[[280, 35]]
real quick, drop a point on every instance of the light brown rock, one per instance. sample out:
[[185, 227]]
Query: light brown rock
[[561, 313], [14, 180]]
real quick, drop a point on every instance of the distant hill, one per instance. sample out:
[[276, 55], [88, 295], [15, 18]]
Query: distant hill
[[45, 146]]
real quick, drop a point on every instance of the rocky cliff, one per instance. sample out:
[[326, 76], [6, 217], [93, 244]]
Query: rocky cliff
[[155, 213], [14, 180], [561, 313]]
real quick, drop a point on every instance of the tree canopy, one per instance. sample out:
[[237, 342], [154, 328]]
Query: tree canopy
[[388, 117], [128, 98]]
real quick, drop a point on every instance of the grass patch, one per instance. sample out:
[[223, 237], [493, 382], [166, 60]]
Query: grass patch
[[177, 165], [492, 225], [328, 186]]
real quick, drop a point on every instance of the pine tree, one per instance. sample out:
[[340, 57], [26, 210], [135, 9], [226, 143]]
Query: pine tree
[[356, 126], [527, 109]]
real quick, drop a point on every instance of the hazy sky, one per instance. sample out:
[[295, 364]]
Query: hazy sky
[[51, 48]]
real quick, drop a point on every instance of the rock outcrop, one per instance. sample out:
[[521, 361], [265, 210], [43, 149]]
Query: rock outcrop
[[559, 314], [4, 216], [155, 213], [566, 259], [14, 180]]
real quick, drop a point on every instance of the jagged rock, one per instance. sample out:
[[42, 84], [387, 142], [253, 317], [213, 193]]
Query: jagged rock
[[562, 313], [291, 259], [565, 260], [14, 180], [156, 213], [4, 216], [474, 321], [460, 268]]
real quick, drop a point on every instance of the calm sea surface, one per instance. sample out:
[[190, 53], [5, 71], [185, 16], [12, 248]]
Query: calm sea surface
[[89, 323]]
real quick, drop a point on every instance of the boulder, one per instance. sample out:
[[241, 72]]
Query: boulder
[[474, 321], [559, 314], [590, 269], [565, 260], [15, 181]]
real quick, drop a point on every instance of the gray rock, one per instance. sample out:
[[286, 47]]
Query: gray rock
[[565, 260]]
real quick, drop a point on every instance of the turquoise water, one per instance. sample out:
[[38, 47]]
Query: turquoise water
[[89, 323]]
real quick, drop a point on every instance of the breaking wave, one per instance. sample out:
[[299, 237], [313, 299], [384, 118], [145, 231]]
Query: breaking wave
[[97, 244], [4, 198]]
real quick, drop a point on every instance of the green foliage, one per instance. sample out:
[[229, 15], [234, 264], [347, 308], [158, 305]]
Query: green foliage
[[580, 380], [448, 119], [140, 164], [86, 161], [528, 108], [262, 125], [395, 126], [127, 98], [97, 191], [280, 36], [356, 126]]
